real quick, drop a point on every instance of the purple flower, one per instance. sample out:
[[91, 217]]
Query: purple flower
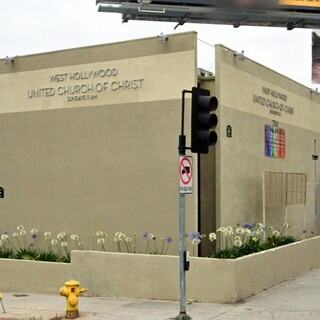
[[194, 235], [145, 235], [168, 240], [248, 225]]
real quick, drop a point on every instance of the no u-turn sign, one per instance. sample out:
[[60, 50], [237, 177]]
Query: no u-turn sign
[[185, 174]]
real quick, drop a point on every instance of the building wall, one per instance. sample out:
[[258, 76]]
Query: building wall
[[240, 160], [105, 157]]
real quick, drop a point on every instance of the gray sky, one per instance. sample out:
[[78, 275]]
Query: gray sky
[[34, 26]]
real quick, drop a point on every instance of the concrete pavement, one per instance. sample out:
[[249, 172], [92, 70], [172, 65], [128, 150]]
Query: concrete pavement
[[297, 299]]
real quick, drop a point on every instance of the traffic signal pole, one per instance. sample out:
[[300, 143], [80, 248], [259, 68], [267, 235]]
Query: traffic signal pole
[[203, 123], [182, 138], [182, 233]]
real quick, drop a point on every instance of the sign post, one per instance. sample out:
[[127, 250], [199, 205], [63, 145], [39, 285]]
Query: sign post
[[185, 181], [185, 177]]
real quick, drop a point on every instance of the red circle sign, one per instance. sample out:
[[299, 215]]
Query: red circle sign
[[185, 171]]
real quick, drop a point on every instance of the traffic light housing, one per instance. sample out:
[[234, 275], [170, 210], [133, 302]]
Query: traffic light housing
[[203, 120]]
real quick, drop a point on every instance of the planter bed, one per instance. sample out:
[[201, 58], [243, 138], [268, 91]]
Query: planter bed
[[157, 277]]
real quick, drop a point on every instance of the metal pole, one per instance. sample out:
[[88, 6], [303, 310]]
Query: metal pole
[[4, 311], [315, 158], [182, 221], [182, 224]]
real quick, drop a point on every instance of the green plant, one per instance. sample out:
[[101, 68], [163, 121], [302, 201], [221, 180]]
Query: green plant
[[240, 241], [49, 256], [26, 254], [28, 246], [6, 253]]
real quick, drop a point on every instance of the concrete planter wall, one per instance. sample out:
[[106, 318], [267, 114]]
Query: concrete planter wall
[[33, 276], [157, 277]]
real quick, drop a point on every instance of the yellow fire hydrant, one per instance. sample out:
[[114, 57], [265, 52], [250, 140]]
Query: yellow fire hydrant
[[4, 311], [72, 291]]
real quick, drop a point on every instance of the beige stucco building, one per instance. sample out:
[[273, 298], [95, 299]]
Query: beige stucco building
[[89, 141]]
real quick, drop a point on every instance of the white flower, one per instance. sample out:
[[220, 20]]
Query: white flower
[[196, 241], [261, 230], [118, 236], [34, 231], [47, 235], [100, 234], [212, 236], [54, 242], [247, 232], [1, 243], [61, 235], [128, 239], [64, 244], [23, 232], [254, 239], [270, 227], [275, 233], [228, 232], [151, 236], [238, 242], [15, 234], [20, 227], [4, 237], [75, 237], [260, 225], [258, 232], [286, 225], [222, 230], [240, 230], [101, 241]]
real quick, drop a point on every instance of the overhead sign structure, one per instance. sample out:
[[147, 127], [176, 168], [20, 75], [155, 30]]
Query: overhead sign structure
[[185, 174], [272, 13]]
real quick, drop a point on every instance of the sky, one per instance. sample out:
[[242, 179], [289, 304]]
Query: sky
[[36, 26]]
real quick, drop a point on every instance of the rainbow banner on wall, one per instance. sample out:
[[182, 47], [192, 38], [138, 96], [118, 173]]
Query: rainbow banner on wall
[[275, 142]]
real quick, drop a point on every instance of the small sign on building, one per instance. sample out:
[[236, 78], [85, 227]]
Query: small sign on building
[[229, 131]]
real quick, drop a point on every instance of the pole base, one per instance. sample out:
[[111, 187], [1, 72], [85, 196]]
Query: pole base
[[4, 310], [72, 314], [183, 316]]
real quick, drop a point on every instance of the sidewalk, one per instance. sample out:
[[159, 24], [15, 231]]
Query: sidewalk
[[297, 299]]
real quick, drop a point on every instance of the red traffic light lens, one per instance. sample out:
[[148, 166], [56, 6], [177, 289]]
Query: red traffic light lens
[[213, 103], [207, 103]]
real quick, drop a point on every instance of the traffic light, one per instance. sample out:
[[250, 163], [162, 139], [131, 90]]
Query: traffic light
[[203, 120]]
